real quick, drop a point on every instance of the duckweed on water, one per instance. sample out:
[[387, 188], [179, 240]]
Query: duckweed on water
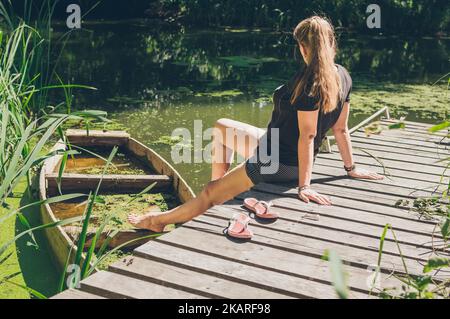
[[112, 258], [247, 61], [426, 101], [117, 208], [171, 141], [226, 93]]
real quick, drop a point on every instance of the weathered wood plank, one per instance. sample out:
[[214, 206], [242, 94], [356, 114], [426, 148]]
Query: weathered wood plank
[[113, 182], [369, 202], [218, 263], [417, 130], [428, 140], [76, 294], [262, 257], [372, 186], [362, 211], [408, 123], [404, 158], [96, 137], [411, 134], [306, 227], [116, 286], [402, 140], [349, 220], [425, 157], [389, 181], [324, 159], [188, 280], [273, 235], [362, 158], [430, 151]]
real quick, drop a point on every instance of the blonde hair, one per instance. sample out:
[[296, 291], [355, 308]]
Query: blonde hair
[[320, 78]]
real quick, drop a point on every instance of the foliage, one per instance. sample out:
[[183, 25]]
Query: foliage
[[424, 16]]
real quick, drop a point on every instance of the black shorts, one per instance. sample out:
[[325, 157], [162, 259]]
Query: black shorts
[[285, 173]]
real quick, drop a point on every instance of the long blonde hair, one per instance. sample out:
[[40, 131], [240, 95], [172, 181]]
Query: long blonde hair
[[320, 77]]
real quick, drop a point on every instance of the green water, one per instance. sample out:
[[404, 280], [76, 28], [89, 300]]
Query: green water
[[153, 79]]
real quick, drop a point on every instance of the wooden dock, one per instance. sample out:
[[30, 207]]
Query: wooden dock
[[284, 259]]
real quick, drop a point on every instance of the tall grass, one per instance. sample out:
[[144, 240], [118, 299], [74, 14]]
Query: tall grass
[[27, 122]]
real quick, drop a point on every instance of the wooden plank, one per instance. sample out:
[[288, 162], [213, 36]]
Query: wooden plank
[[116, 286], [76, 294], [311, 228], [402, 140], [97, 137], [386, 155], [363, 158], [417, 130], [378, 188], [431, 151], [420, 243], [417, 135], [261, 257], [188, 280], [408, 123], [399, 182], [113, 182], [349, 199], [276, 193], [272, 235], [350, 219], [422, 156], [221, 265], [324, 159], [429, 140]]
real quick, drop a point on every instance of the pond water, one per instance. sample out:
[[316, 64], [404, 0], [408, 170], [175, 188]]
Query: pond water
[[153, 79]]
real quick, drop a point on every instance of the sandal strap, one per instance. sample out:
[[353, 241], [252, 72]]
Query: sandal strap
[[267, 205], [236, 219]]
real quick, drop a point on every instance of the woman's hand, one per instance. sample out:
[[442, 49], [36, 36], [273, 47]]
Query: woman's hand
[[307, 194], [364, 174]]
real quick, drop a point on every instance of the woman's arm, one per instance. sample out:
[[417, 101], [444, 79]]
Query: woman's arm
[[307, 124], [344, 143], [342, 136]]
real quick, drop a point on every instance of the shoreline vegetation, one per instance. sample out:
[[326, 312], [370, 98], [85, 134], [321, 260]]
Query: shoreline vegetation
[[418, 17]]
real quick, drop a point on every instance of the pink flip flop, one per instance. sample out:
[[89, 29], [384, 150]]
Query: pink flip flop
[[238, 227], [260, 208]]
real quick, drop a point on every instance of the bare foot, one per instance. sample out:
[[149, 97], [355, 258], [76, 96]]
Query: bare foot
[[146, 221]]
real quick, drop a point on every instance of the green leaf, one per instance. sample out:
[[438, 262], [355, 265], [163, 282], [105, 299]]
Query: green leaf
[[395, 126], [436, 263], [144, 191], [445, 227], [382, 238], [338, 275], [439, 127]]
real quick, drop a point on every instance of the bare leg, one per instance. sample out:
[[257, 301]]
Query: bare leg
[[230, 136], [216, 192]]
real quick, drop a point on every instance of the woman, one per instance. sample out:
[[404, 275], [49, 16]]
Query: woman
[[315, 100]]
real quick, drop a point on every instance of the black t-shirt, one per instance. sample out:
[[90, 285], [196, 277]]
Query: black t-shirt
[[284, 117]]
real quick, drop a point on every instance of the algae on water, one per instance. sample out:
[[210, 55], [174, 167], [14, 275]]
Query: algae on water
[[117, 207]]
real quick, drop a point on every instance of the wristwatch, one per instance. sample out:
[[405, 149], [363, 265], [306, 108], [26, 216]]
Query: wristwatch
[[349, 169]]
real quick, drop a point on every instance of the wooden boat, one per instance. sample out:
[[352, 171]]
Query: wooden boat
[[83, 173]]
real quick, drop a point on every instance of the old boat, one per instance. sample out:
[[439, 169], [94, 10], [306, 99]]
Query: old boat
[[135, 167]]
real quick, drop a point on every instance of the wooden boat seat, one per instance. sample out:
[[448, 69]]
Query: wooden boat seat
[[111, 183], [97, 138]]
